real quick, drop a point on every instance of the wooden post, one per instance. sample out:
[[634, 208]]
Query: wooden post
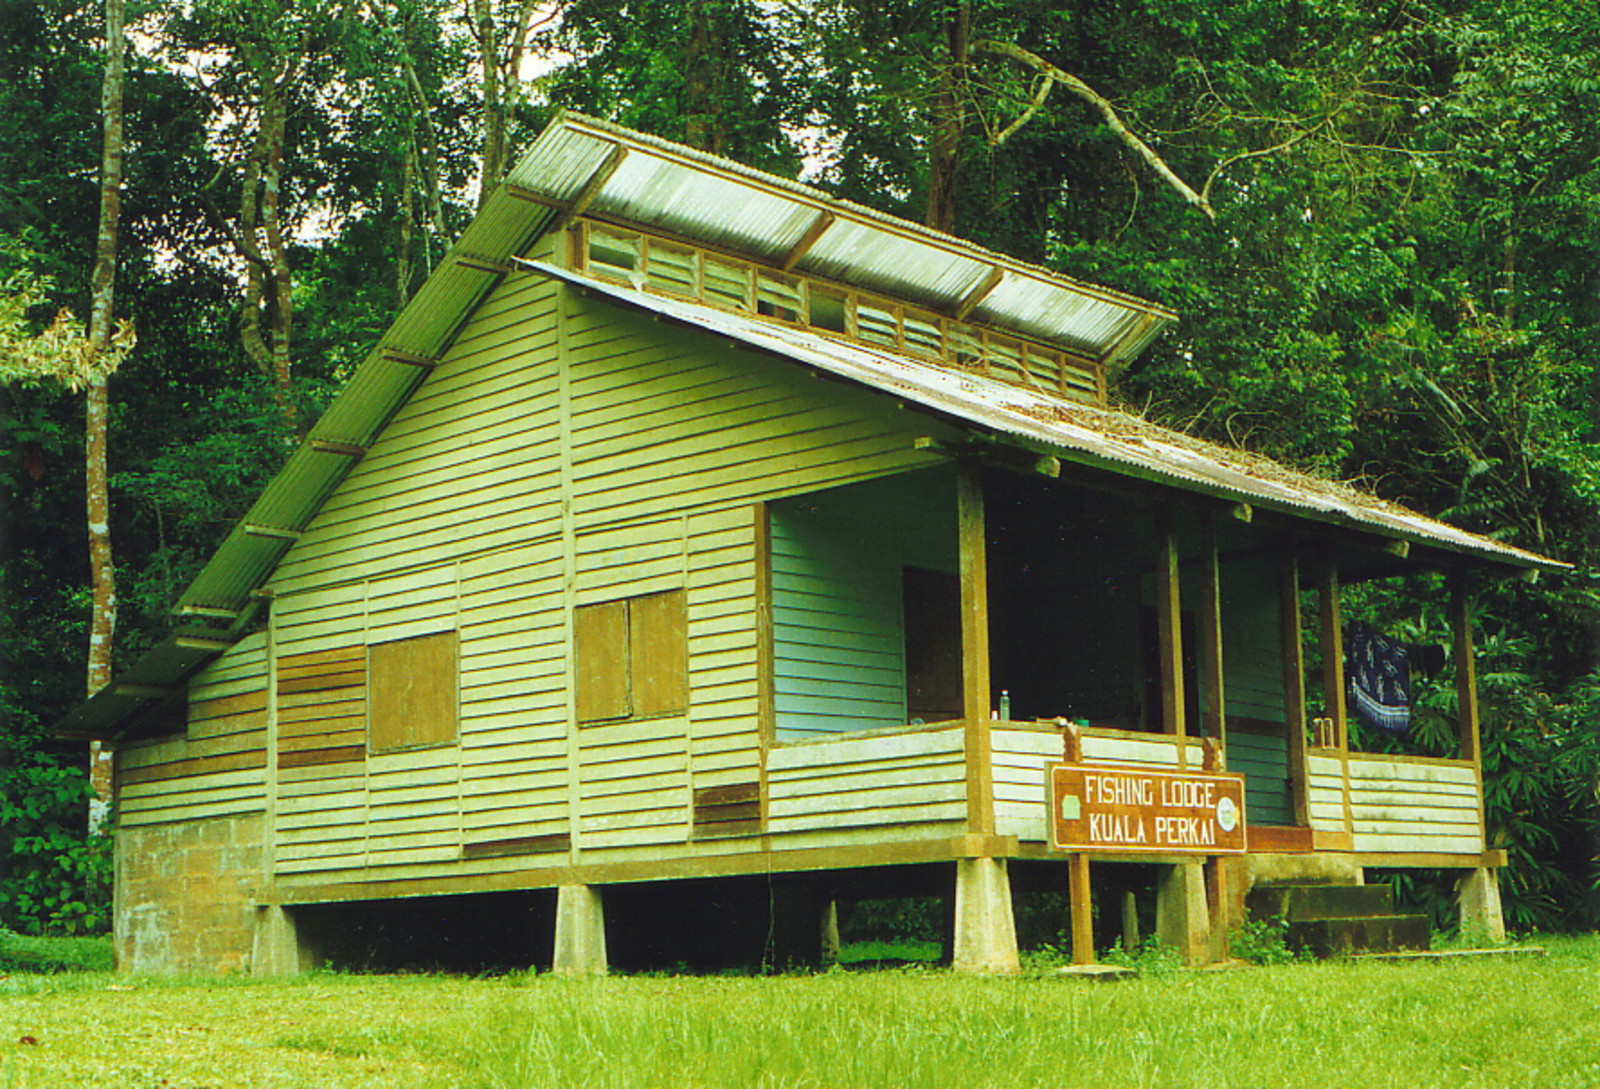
[[1466, 671], [1467, 699], [1333, 697], [1294, 686], [1211, 663], [1169, 633], [1079, 904], [973, 548]]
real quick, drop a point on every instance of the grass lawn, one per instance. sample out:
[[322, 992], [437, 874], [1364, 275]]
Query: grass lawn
[[1502, 1022]]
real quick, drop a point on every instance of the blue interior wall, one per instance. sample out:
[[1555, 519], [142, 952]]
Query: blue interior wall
[[837, 610]]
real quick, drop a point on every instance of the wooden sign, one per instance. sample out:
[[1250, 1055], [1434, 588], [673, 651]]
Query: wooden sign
[[1159, 812]]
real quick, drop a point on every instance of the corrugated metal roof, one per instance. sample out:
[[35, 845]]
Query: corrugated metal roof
[[667, 187], [1103, 437]]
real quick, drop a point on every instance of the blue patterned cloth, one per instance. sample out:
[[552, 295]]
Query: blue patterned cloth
[[1379, 672]]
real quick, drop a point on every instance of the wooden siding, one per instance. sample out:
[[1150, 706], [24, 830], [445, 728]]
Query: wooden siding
[[218, 768], [1410, 804], [902, 777], [1263, 760], [1399, 804], [838, 651], [563, 453], [1325, 790], [838, 562], [1252, 662], [1021, 755]]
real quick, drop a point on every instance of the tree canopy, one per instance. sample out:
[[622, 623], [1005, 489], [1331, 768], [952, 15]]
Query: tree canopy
[[1384, 265]]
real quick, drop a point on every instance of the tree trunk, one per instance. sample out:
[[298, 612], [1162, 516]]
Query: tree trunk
[[494, 125], [949, 125], [280, 300], [703, 123], [102, 576], [408, 219]]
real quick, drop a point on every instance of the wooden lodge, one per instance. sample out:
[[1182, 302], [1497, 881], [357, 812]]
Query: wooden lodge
[[691, 525]]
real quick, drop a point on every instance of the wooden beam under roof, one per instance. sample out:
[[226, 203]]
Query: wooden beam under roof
[[591, 189], [207, 610], [144, 691], [255, 529], [530, 197], [481, 264], [410, 359], [969, 302], [202, 642], [813, 235], [348, 449]]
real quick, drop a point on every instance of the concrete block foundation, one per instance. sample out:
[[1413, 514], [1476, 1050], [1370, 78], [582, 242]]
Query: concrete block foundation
[[186, 895]]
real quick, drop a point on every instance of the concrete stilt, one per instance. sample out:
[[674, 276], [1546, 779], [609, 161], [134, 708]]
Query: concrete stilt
[[1183, 922], [275, 949], [829, 951], [580, 932], [985, 931], [1478, 900], [1130, 923]]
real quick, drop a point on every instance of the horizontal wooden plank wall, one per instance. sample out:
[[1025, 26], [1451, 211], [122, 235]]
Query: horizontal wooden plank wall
[[218, 768], [322, 752], [839, 564], [839, 648], [446, 524], [1325, 790], [675, 441], [453, 521], [1414, 805], [513, 691], [724, 698], [1263, 760], [1257, 739], [901, 778], [1021, 756]]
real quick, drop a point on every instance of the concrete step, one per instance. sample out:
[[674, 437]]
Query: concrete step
[[1298, 903], [1339, 937]]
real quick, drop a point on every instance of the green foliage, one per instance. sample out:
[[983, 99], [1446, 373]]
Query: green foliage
[[1262, 941], [53, 879], [19, 953], [1153, 958]]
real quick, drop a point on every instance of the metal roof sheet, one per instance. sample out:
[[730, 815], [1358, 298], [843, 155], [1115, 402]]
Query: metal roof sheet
[[1104, 437], [668, 187]]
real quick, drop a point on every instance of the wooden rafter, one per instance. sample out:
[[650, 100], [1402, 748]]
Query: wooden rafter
[[591, 189], [279, 533], [813, 235], [346, 449], [481, 264], [410, 359], [969, 302]]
